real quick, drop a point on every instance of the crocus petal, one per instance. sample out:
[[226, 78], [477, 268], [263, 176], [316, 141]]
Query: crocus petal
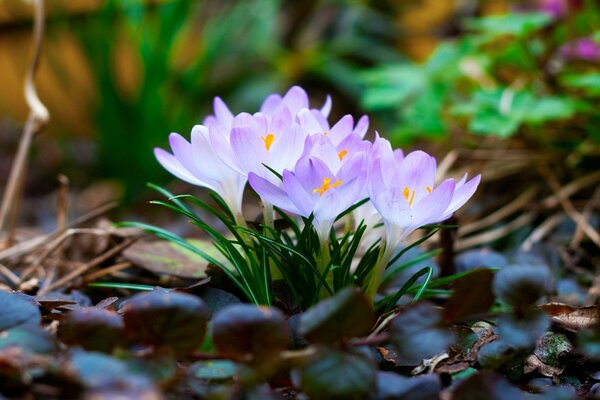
[[171, 164], [303, 201], [295, 99], [270, 104], [286, 151], [182, 150], [362, 126], [324, 150], [271, 194], [280, 121], [311, 171], [249, 149], [326, 109], [219, 141], [461, 195], [205, 158], [417, 171], [432, 207], [222, 112], [341, 129], [308, 122]]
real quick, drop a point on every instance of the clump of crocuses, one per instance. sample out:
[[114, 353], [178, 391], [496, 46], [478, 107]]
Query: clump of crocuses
[[305, 168]]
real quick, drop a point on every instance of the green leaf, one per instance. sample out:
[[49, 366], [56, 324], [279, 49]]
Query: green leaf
[[589, 82], [165, 319], [490, 122], [338, 375], [515, 24], [346, 315], [214, 370]]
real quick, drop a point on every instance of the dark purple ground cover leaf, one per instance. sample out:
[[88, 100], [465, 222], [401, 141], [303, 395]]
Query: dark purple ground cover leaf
[[486, 385], [391, 386], [346, 315], [16, 310], [92, 328], [522, 285], [417, 333], [165, 319], [472, 295], [522, 330], [335, 374], [247, 332], [30, 338]]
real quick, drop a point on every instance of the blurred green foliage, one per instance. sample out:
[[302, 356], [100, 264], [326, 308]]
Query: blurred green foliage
[[190, 52], [507, 74]]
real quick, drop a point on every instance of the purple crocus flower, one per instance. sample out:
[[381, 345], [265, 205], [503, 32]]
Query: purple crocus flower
[[197, 163], [313, 122], [403, 191], [586, 49], [312, 188]]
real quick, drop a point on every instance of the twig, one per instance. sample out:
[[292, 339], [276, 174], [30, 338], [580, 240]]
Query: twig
[[37, 119], [8, 274], [571, 189], [541, 231], [86, 267], [570, 209], [62, 203], [587, 213], [512, 207], [106, 271], [494, 234]]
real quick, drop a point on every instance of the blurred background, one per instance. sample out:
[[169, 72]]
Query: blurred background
[[119, 75]]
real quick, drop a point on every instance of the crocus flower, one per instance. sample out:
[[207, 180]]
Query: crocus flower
[[198, 164], [313, 122], [586, 49], [312, 188], [403, 191]]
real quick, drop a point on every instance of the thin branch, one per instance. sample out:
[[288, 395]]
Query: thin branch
[[37, 119]]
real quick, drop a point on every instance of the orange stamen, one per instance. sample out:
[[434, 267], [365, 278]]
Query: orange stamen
[[268, 140], [342, 154], [409, 195], [326, 186]]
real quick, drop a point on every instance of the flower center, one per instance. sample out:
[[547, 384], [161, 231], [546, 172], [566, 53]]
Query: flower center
[[326, 186], [342, 154], [268, 139], [409, 194]]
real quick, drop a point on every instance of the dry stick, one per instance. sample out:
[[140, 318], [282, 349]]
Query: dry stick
[[106, 271], [542, 230], [570, 189], [587, 213], [62, 209], [446, 163], [56, 244], [570, 209], [494, 234], [8, 274], [512, 207], [38, 241], [85, 267], [37, 119]]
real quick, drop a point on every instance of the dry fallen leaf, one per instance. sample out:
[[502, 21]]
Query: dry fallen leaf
[[534, 363], [572, 318]]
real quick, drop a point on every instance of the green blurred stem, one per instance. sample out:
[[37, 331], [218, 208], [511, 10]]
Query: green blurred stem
[[385, 254], [268, 223], [323, 260]]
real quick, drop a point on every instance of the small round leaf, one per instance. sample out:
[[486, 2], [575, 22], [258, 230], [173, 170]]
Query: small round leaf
[[92, 328]]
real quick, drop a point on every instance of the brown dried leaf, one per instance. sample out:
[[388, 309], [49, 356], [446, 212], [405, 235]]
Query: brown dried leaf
[[572, 318], [163, 257], [534, 363]]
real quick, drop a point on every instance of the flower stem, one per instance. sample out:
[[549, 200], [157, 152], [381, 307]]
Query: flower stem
[[385, 254], [323, 260], [268, 223]]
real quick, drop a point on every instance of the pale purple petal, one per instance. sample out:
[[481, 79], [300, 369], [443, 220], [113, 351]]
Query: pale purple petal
[[324, 150], [171, 164], [311, 171], [321, 119], [219, 141], [362, 126], [432, 207], [270, 104], [250, 150], [326, 109], [461, 195], [417, 171], [303, 201], [308, 122], [341, 129], [295, 99], [286, 151], [222, 112], [280, 121], [271, 194]]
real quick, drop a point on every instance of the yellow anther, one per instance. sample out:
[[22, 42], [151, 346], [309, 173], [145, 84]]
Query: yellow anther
[[342, 154], [428, 188], [268, 140], [409, 195], [326, 186]]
